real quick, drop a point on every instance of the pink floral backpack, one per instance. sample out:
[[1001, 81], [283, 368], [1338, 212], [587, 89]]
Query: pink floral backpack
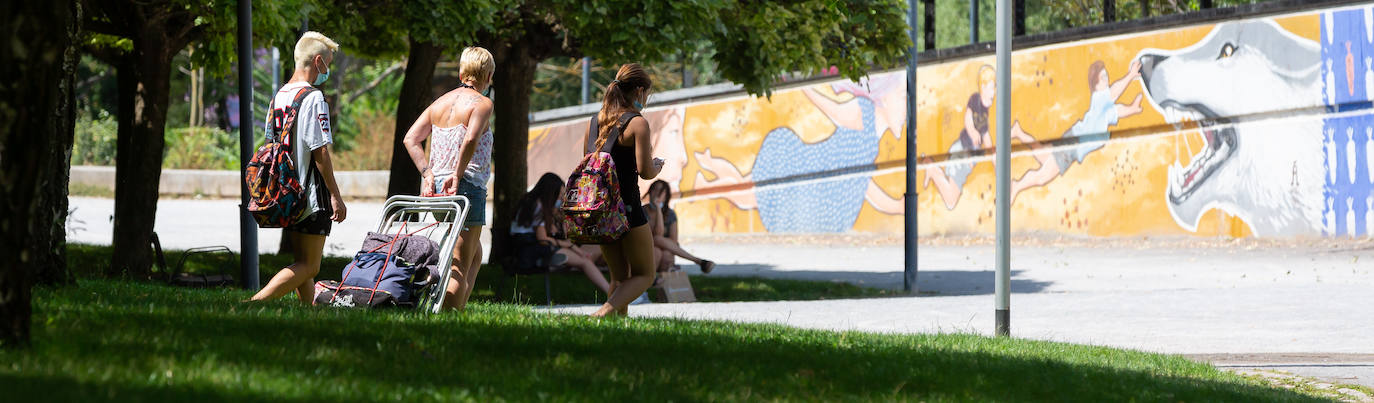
[[593, 210]]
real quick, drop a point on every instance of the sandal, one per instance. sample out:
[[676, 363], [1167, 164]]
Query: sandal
[[706, 266]]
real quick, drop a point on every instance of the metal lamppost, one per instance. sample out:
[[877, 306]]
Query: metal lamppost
[[248, 229]]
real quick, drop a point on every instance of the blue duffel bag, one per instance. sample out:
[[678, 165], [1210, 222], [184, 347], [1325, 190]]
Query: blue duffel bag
[[374, 279]]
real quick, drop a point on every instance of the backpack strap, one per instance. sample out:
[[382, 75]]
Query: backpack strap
[[290, 132], [593, 132]]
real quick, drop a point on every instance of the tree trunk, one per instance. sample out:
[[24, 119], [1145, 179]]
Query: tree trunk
[[512, 86], [51, 265], [1018, 17], [34, 107], [143, 86], [928, 24], [1108, 10], [416, 95]]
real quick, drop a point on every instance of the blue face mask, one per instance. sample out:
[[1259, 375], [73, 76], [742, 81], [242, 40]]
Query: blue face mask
[[320, 79]]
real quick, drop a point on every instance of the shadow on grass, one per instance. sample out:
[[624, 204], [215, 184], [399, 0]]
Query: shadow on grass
[[90, 261], [120, 341]]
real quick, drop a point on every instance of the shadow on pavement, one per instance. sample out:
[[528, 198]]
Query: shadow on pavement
[[963, 282], [929, 282]]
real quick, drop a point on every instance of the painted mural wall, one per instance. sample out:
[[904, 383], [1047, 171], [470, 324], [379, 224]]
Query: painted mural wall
[[1257, 127]]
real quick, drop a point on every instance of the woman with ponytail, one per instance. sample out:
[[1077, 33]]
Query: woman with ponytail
[[631, 258]]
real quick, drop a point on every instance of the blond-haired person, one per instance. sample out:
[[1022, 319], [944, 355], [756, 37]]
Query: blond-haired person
[[459, 161], [311, 140]]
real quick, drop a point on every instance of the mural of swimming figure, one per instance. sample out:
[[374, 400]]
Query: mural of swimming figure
[[787, 197], [1238, 83], [1103, 111], [949, 180]]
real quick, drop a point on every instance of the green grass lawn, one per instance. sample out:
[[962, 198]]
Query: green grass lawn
[[495, 286], [127, 341]]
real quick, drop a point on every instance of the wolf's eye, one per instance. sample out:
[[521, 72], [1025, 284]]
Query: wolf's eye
[[1226, 51]]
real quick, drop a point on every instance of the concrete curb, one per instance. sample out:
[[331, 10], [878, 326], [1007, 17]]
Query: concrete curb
[[225, 184]]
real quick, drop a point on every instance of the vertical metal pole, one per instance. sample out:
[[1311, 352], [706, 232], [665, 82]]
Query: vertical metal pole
[[686, 73], [276, 68], [586, 80], [909, 210], [248, 229], [973, 21], [1003, 167]]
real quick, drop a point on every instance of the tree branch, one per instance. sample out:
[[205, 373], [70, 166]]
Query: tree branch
[[89, 81], [395, 67], [107, 28], [106, 55]]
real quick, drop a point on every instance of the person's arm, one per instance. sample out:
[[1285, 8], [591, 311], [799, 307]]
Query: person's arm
[[644, 148], [847, 114], [477, 124], [325, 163], [971, 130], [542, 234], [670, 230], [414, 143], [1119, 86], [655, 220], [1123, 111]]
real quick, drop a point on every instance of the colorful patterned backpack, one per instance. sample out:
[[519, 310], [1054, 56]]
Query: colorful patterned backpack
[[593, 210], [276, 198]]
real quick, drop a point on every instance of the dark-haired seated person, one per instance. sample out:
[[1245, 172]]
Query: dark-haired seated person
[[663, 224], [535, 224]]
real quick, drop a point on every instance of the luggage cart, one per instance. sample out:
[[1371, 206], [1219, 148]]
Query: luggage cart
[[444, 217]]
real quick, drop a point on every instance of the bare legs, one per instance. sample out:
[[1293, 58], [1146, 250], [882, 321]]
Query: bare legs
[[584, 263], [948, 190], [1048, 170], [631, 260], [300, 275], [466, 262]]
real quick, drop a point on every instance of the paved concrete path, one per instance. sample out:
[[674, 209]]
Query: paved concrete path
[[1246, 299]]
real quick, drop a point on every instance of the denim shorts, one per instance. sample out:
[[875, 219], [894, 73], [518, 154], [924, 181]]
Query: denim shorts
[[477, 197]]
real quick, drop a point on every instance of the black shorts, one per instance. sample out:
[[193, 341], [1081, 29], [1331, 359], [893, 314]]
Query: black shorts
[[319, 222], [316, 224]]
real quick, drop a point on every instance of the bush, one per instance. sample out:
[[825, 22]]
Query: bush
[[200, 148], [94, 142]]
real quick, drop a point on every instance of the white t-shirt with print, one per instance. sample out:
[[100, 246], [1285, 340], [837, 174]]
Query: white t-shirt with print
[[312, 132]]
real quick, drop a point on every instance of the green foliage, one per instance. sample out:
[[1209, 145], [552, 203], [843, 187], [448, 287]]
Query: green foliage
[[754, 42], [382, 29], [951, 18], [558, 81], [95, 139], [356, 115], [125, 341], [274, 21], [201, 148]]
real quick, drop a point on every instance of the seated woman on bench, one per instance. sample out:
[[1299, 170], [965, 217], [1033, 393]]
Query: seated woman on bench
[[663, 223], [535, 224]]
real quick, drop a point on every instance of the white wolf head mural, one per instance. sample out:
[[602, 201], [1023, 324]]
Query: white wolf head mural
[[1246, 85]]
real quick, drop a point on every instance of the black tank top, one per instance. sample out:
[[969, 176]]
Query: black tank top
[[626, 167]]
